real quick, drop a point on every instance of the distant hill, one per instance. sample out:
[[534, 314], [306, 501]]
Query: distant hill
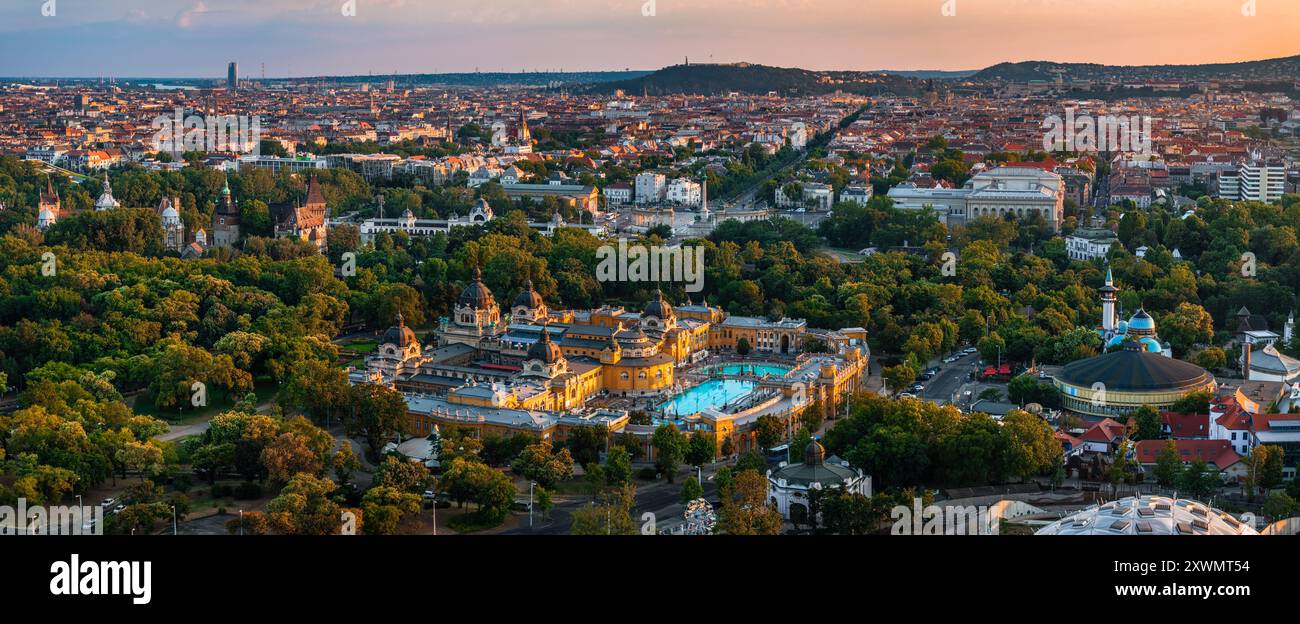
[[482, 79], [713, 79], [1287, 68], [928, 73]]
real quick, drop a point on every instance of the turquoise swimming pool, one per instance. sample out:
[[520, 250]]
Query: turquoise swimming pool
[[714, 394], [776, 370]]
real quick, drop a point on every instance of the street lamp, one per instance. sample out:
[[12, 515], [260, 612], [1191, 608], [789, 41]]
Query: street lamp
[[241, 521], [173, 519], [530, 503]]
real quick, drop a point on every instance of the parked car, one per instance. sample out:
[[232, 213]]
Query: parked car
[[107, 502], [907, 395]]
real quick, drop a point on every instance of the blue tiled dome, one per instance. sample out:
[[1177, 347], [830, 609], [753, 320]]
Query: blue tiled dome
[[1142, 321]]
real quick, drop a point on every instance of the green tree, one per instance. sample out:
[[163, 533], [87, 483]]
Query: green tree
[[899, 377], [746, 510], [618, 467], [1264, 467], [305, 507], [609, 514], [1199, 479], [743, 347], [701, 449], [385, 508], [1146, 423], [1280, 507], [691, 490], [670, 447], [1169, 464], [769, 431], [539, 463], [378, 412], [1032, 448]]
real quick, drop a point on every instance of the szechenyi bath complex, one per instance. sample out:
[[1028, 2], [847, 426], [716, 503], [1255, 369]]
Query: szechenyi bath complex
[[543, 372]]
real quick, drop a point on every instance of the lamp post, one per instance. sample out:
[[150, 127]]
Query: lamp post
[[241, 521], [174, 520], [531, 484]]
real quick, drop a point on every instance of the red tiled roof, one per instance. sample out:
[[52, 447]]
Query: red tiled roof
[[1265, 422], [1106, 431], [1065, 438], [1217, 452], [1186, 425]]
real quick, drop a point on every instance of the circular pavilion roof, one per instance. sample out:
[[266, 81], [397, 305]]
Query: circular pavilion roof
[[1133, 370], [1149, 515]]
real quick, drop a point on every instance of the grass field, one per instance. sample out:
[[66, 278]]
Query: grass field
[[264, 388]]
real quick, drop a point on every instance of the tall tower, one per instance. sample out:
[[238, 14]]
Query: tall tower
[[48, 206], [1108, 318], [704, 196], [225, 220], [1288, 333], [106, 200], [232, 76], [525, 136]]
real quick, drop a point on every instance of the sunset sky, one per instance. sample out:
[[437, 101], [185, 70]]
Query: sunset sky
[[194, 38]]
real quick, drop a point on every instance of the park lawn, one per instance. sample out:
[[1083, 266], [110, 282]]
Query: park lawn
[[574, 487], [264, 388], [470, 521], [201, 499], [847, 256], [361, 345]]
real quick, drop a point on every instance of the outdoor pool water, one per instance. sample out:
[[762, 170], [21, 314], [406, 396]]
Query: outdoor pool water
[[711, 394], [775, 370], [715, 393]]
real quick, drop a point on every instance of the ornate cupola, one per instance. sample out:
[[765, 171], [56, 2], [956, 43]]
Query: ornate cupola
[[476, 314], [659, 315], [545, 359], [528, 305]]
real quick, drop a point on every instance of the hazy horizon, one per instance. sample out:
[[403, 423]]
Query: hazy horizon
[[303, 38]]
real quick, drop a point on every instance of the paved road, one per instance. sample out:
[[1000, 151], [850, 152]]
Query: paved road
[[660, 498], [950, 379]]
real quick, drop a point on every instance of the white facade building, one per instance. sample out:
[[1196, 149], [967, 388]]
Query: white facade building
[[1262, 181], [650, 187], [684, 191], [788, 487]]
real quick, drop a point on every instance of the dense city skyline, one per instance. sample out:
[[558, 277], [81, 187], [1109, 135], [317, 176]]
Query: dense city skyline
[[313, 37]]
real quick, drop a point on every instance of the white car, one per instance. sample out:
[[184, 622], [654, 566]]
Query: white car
[[907, 395]]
